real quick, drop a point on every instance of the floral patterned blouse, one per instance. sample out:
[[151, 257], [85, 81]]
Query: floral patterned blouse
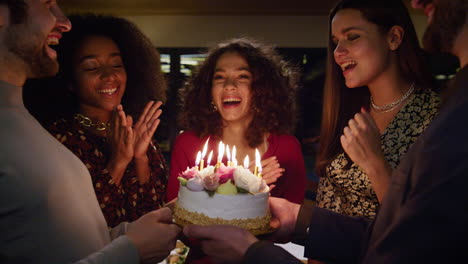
[[130, 200], [349, 191]]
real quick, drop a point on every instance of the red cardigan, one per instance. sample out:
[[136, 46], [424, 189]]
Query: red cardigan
[[286, 148]]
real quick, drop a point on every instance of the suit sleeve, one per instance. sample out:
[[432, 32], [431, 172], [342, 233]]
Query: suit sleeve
[[120, 250], [430, 224], [335, 237], [267, 252]]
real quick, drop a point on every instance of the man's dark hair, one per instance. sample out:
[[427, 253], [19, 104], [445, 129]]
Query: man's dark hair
[[17, 10]]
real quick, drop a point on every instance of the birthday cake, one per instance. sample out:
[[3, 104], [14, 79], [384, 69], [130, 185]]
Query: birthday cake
[[230, 195]]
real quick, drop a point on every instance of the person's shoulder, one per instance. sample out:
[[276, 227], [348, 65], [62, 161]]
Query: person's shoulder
[[59, 126], [187, 136], [284, 139], [426, 103]]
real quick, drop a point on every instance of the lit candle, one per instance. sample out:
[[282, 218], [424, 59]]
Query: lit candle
[[246, 162], [197, 160], [209, 158], [220, 154], [228, 154], [205, 148], [260, 170], [258, 164], [234, 160]]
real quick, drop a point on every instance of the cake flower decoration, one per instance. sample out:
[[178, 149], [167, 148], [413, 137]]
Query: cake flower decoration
[[245, 180], [225, 173], [195, 184], [189, 173], [211, 182]]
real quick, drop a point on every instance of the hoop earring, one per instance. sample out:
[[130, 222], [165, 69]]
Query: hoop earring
[[213, 107]]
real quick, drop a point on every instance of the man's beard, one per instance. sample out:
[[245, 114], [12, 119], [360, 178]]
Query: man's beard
[[32, 52], [447, 21]]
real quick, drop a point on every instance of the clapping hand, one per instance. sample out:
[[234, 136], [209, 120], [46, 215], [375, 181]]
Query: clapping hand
[[361, 141], [121, 141], [129, 142], [145, 127]]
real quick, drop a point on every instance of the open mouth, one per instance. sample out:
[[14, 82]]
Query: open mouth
[[107, 91], [52, 42], [349, 65], [231, 101]]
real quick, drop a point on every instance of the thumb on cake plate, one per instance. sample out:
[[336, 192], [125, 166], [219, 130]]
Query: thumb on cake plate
[[284, 215], [223, 243], [154, 235]]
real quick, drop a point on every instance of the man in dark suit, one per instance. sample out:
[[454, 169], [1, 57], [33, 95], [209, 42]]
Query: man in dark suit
[[423, 218]]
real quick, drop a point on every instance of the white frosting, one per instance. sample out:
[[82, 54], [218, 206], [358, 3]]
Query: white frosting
[[239, 206]]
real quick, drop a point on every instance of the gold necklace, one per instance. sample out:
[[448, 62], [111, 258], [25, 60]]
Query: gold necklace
[[87, 122]]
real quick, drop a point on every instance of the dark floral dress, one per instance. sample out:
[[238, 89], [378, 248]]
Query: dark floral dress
[[130, 200], [349, 191]]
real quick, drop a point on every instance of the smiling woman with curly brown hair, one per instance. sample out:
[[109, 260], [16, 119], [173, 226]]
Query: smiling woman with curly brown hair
[[243, 94]]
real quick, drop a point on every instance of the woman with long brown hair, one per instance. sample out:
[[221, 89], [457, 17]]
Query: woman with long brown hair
[[377, 101]]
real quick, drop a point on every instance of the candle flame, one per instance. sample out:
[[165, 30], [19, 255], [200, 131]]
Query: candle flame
[[258, 161], [197, 161], [228, 153], [220, 151], [205, 149], [209, 158], [246, 162], [234, 159]]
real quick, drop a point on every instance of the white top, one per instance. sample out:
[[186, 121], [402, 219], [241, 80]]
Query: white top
[[48, 209]]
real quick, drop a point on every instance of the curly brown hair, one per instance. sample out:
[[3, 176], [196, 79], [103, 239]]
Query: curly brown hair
[[274, 88]]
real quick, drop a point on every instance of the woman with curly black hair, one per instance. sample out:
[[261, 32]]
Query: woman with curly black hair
[[243, 94], [108, 65]]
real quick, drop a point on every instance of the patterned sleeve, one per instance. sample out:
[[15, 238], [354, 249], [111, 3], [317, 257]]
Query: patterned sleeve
[[151, 195], [326, 195]]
